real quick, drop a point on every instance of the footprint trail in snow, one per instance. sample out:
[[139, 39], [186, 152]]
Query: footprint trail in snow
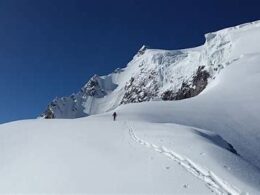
[[212, 181]]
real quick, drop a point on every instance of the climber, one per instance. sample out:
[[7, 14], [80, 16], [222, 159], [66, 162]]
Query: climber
[[114, 115]]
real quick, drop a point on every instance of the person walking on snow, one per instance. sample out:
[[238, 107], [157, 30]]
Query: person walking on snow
[[114, 115]]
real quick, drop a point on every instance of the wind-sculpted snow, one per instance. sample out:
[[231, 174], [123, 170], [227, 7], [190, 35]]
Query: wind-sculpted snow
[[160, 74]]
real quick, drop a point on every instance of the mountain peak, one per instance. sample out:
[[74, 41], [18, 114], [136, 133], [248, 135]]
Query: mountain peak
[[142, 49], [161, 74]]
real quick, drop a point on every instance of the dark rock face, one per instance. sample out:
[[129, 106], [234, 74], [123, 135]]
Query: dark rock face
[[93, 87], [169, 95], [200, 80], [197, 85], [139, 92], [48, 114]]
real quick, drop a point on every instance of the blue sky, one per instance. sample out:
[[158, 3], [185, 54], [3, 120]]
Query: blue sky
[[50, 48]]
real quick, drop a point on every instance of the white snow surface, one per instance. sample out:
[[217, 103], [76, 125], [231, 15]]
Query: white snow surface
[[174, 147]]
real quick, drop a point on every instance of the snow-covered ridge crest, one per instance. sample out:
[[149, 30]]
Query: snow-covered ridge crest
[[155, 74]]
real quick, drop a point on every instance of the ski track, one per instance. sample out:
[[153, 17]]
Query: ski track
[[212, 181]]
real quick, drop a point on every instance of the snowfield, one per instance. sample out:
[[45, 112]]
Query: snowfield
[[97, 155], [208, 144]]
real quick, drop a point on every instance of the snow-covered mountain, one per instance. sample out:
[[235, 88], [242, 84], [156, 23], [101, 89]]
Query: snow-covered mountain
[[155, 74], [208, 144]]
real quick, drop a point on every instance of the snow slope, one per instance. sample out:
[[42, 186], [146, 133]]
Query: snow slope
[[97, 155], [229, 107]]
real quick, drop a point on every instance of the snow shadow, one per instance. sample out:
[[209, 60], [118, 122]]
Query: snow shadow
[[217, 140]]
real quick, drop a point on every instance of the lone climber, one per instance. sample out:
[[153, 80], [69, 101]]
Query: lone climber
[[114, 116]]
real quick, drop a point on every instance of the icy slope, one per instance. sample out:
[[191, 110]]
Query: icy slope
[[160, 74]]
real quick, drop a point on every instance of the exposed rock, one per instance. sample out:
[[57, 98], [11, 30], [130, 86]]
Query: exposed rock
[[93, 88], [138, 91], [169, 95], [48, 114], [187, 90]]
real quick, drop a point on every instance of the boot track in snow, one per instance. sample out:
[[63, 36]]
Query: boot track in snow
[[212, 181]]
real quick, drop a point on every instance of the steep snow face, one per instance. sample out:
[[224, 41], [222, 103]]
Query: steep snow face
[[157, 71], [82, 103], [160, 74], [228, 45]]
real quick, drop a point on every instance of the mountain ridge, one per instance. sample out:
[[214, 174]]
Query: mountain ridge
[[155, 74]]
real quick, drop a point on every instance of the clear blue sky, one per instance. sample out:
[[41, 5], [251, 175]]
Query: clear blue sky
[[50, 48]]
